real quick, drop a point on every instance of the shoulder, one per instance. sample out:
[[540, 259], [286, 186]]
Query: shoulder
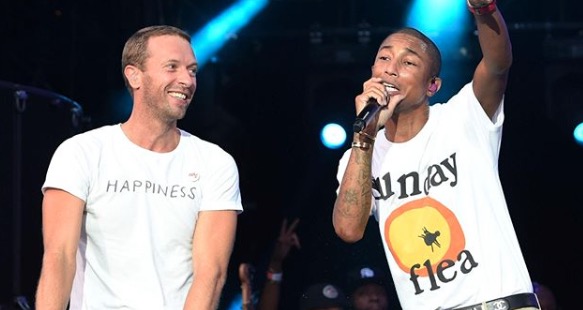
[[205, 148], [465, 94], [463, 101], [103, 132], [91, 138]]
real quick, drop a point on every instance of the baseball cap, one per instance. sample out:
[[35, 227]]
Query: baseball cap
[[322, 295], [366, 274]]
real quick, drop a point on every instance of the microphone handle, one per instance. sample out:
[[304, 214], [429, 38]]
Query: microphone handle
[[366, 115]]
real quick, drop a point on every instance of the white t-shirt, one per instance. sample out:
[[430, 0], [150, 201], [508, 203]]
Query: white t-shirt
[[442, 214], [141, 210]]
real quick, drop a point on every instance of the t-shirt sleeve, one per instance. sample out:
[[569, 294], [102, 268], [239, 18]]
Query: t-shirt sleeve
[[477, 124], [68, 170], [221, 191]]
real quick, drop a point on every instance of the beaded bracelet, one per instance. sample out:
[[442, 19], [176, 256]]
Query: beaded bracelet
[[485, 9]]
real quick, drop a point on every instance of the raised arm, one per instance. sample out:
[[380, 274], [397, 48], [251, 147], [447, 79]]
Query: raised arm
[[491, 75], [246, 275], [62, 215], [212, 246], [287, 239]]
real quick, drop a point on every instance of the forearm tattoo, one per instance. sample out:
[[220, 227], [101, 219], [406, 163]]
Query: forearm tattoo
[[354, 199]]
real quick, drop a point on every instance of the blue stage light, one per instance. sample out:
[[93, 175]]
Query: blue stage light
[[333, 136], [578, 134], [208, 40]]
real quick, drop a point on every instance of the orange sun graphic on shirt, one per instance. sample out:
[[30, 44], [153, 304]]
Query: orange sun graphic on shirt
[[422, 230]]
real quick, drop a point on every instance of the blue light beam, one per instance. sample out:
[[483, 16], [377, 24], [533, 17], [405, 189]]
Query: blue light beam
[[208, 40], [444, 21], [448, 24]]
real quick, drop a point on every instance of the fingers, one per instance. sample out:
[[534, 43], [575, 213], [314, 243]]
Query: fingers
[[293, 225], [243, 270], [296, 241], [285, 230], [282, 229], [374, 88], [287, 235]]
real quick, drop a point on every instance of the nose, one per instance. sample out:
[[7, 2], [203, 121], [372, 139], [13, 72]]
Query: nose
[[186, 78], [391, 69], [187, 83]]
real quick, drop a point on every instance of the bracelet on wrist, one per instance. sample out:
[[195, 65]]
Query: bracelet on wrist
[[361, 145], [367, 136], [485, 9], [274, 276]]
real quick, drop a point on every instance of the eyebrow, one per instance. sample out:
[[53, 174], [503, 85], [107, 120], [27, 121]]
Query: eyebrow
[[411, 51], [175, 61]]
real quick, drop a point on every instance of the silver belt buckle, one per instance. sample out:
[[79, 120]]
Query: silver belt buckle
[[498, 304]]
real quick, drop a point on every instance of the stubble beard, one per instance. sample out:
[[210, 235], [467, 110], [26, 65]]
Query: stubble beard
[[161, 108]]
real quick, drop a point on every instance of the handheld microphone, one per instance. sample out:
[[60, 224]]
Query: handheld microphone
[[366, 115]]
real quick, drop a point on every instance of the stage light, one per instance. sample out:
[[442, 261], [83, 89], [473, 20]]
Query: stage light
[[578, 134], [208, 40], [333, 136], [442, 20], [236, 303], [448, 24]]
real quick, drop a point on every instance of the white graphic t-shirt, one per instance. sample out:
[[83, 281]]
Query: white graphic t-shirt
[[141, 210], [446, 230]]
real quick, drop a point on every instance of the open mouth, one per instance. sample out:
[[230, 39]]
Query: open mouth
[[390, 88], [178, 95]]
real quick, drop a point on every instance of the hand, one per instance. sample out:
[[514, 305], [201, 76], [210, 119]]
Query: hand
[[377, 89], [286, 240], [246, 272]]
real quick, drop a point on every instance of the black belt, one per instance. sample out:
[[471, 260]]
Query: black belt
[[516, 301]]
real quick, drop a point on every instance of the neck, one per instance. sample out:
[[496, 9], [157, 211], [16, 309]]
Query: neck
[[404, 126], [153, 137]]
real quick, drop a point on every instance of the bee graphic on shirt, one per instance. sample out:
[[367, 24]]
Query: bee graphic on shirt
[[430, 238]]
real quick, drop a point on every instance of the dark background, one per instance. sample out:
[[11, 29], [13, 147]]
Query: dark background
[[264, 101]]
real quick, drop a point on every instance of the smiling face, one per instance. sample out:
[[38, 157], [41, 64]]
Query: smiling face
[[168, 77], [407, 63]]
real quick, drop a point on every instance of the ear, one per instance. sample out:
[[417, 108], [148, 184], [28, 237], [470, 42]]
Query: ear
[[132, 74], [434, 86]]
